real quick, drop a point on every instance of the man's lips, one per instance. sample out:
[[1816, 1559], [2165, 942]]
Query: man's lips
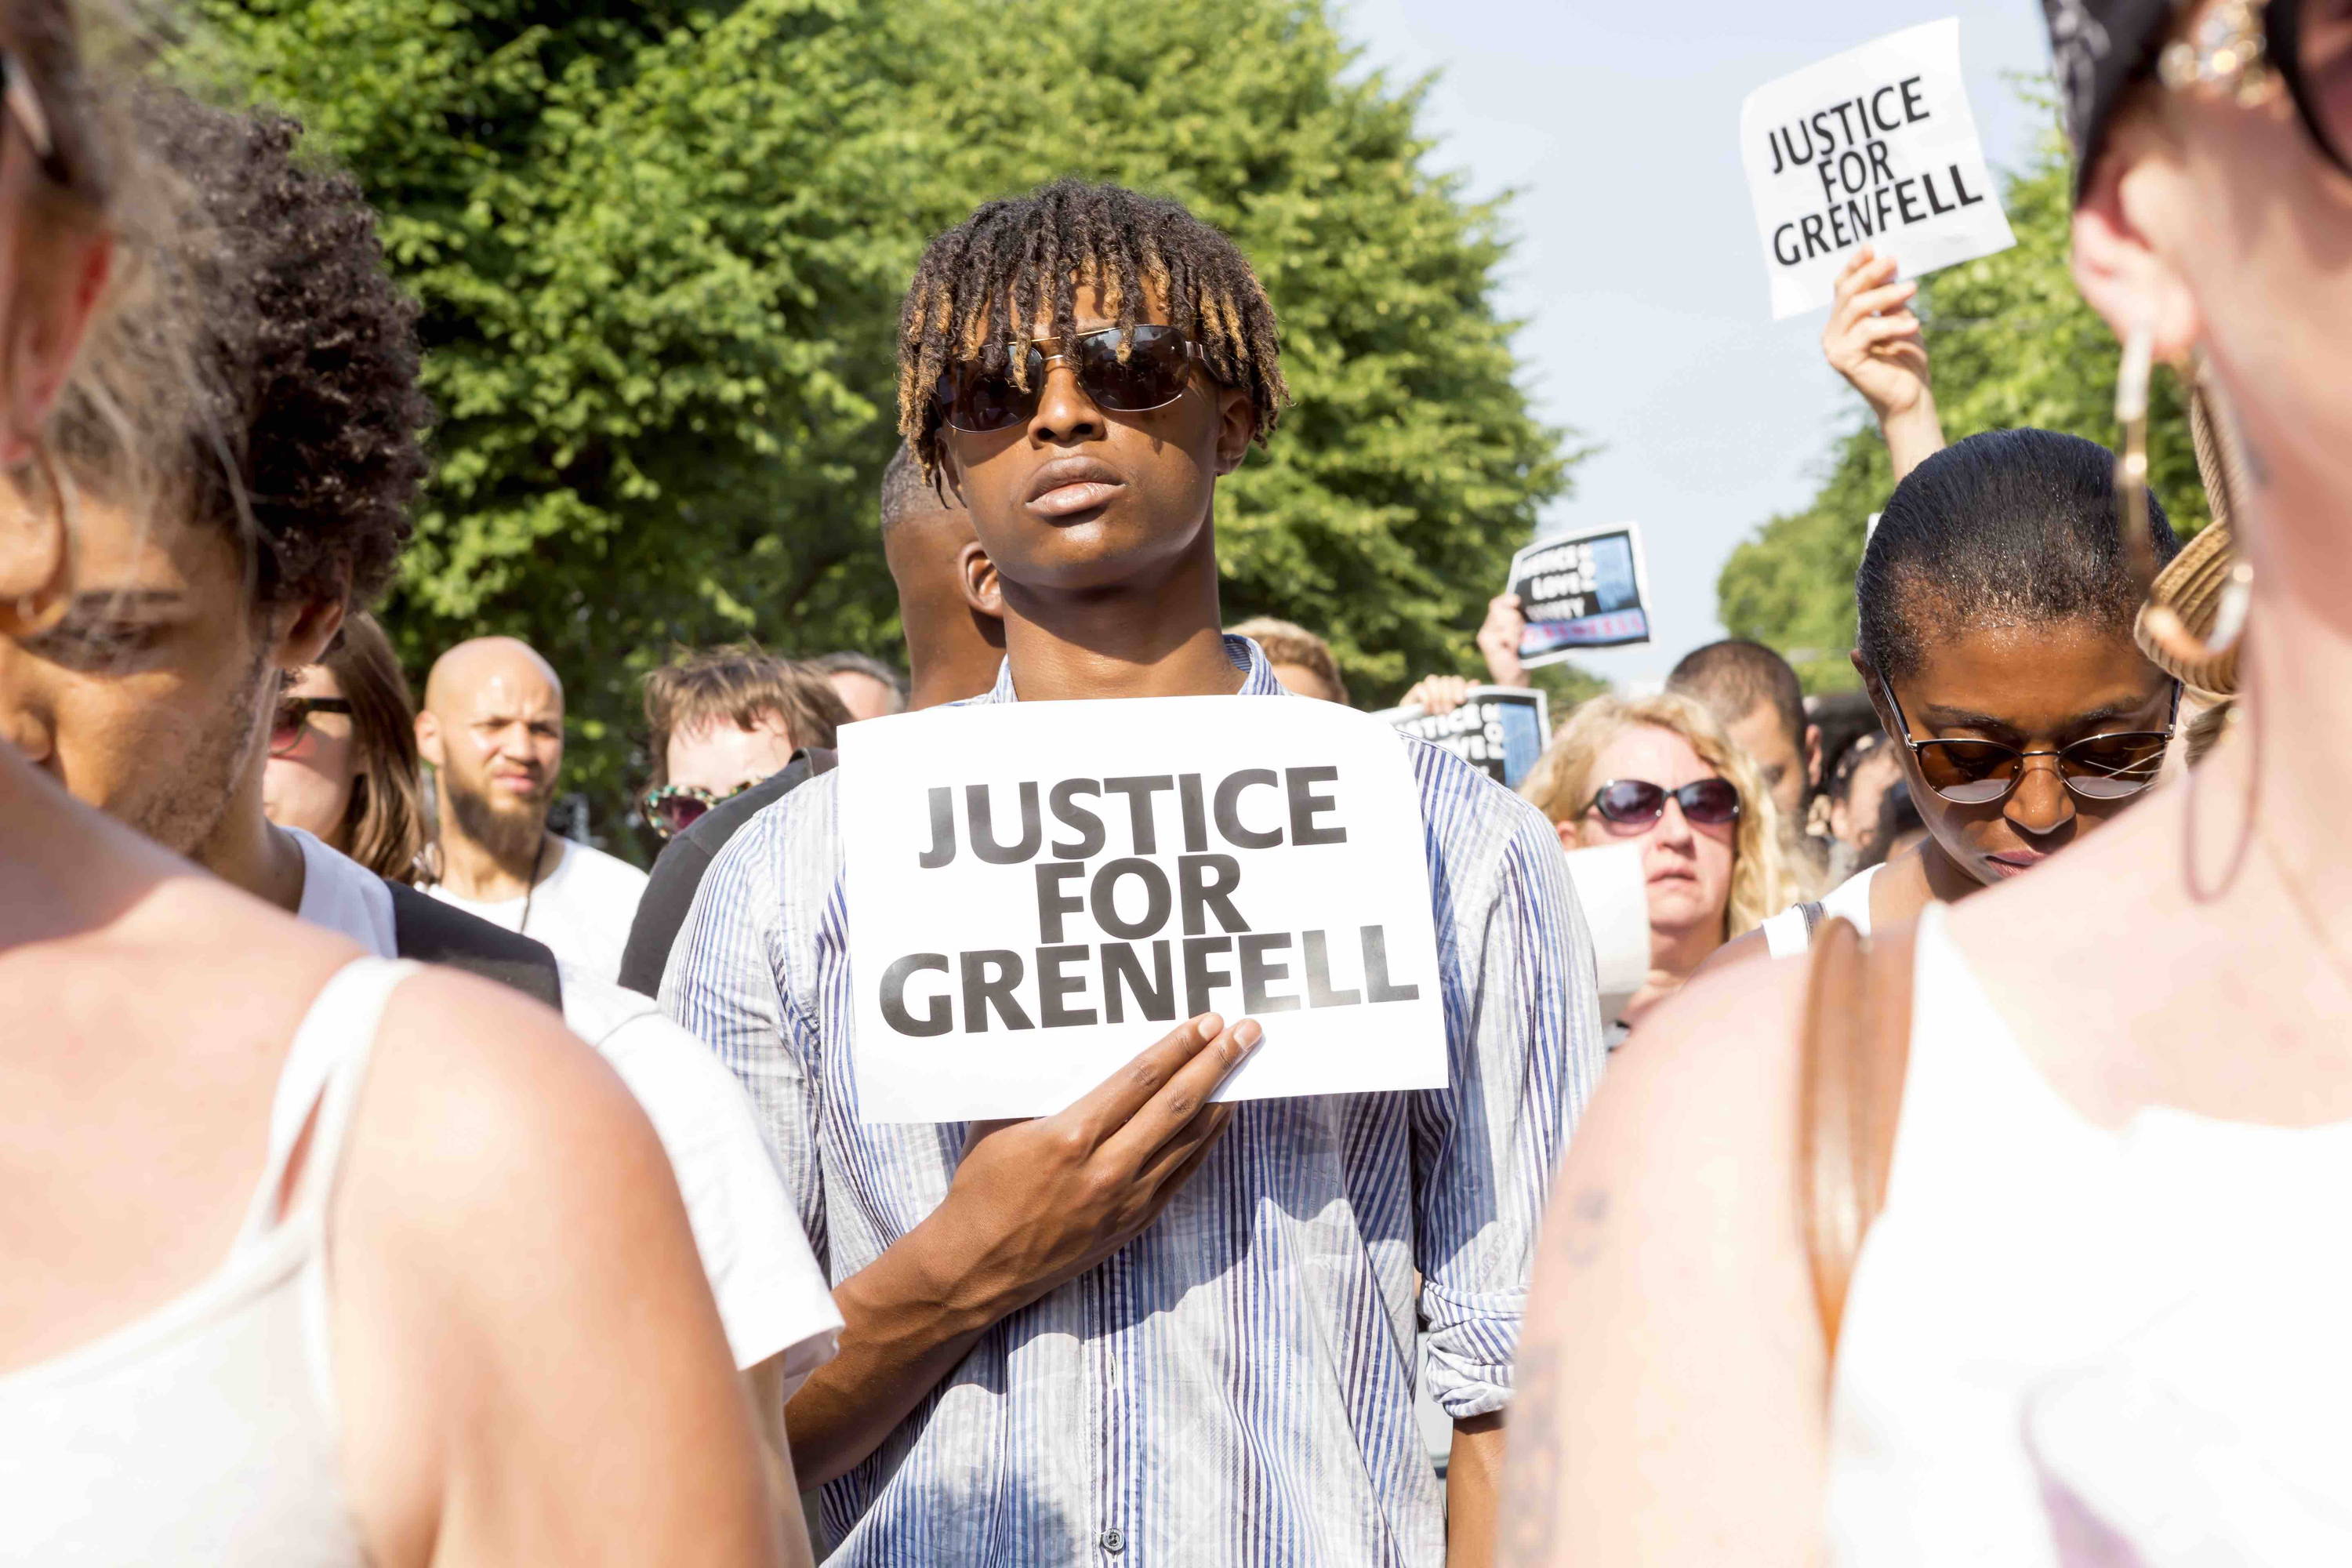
[[1067, 486]]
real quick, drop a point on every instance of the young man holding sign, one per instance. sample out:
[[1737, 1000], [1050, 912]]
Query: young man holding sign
[[1145, 1327]]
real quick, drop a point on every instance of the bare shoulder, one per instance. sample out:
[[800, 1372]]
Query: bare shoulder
[[1750, 947], [1671, 1368]]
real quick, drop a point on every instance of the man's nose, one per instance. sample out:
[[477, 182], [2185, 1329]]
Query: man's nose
[[1064, 413]]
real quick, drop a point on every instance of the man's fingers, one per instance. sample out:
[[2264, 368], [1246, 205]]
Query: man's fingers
[[1181, 1161], [1205, 1127], [1112, 1103], [1164, 1117]]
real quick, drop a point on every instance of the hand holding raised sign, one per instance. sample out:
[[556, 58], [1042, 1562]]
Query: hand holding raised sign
[[1873, 341], [1037, 1203]]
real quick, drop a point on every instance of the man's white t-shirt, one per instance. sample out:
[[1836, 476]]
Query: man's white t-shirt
[[772, 1297], [581, 909]]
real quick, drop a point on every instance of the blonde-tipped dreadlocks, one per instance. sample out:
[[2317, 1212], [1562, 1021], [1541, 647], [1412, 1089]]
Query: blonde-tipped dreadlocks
[[983, 286]]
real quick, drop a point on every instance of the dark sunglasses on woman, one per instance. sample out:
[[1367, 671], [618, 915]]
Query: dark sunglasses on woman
[[1638, 803], [675, 807], [1122, 369], [293, 719], [2096, 767]]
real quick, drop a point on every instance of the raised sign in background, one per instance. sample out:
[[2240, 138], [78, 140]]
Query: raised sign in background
[[1876, 146]]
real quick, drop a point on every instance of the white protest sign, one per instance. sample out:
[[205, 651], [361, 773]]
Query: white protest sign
[[1039, 890], [1878, 147], [1498, 729], [1614, 892]]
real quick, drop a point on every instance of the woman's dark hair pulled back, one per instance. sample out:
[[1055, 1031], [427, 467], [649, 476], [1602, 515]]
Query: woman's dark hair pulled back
[[2009, 528]]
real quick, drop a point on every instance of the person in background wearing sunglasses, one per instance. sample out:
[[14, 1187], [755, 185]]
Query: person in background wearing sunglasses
[[342, 754], [492, 730], [955, 627], [1147, 1328], [1995, 611], [1662, 771], [720, 721]]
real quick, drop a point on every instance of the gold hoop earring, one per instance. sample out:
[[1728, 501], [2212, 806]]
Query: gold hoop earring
[[2208, 581], [36, 609]]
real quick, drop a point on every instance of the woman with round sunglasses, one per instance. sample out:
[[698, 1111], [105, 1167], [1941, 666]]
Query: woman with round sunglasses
[[1661, 773], [342, 755], [1995, 607], [310, 1258], [2098, 1314]]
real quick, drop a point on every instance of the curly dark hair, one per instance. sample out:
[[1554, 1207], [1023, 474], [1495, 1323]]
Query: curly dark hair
[[301, 433], [982, 285]]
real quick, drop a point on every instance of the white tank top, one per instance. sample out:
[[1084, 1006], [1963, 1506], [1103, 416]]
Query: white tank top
[[2071, 1346], [1790, 932], [205, 1432]]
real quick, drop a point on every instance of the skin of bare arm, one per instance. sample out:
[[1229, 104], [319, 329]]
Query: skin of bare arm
[[528, 1358], [1873, 341], [1033, 1203], [1670, 1410], [1474, 1490], [764, 1385]]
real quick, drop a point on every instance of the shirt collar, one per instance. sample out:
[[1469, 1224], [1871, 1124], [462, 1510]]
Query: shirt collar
[[1257, 674]]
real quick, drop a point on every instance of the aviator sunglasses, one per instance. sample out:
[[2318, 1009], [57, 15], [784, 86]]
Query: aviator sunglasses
[[1122, 369], [2096, 767], [292, 720], [674, 807], [1638, 803]]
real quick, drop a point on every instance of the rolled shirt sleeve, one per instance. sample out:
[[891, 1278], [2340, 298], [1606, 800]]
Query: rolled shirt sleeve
[[1525, 1050]]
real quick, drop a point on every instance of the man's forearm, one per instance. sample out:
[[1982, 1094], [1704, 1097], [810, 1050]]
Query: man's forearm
[[906, 1320], [1473, 1484]]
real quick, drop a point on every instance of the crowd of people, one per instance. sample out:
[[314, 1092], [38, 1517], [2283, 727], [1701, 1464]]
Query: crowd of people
[[395, 1177]]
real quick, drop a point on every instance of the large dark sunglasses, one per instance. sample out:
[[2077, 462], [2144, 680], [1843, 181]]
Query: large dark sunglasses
[[1638, 803], [674, 808], [2096, 767], [293, 719], [1122, 369], [2238, 46]]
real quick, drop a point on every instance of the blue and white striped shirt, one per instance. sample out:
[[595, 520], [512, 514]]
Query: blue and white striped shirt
[[1235, 1386]]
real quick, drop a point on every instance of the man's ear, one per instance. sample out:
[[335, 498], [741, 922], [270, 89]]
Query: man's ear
[[1236, 424], [1813, 755], [982, 589], [57, 297], [2115, 264], [428, 738], [305, 632]]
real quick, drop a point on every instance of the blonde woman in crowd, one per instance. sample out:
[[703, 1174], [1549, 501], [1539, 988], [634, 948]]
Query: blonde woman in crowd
[[308, 1258], [1659, 771]]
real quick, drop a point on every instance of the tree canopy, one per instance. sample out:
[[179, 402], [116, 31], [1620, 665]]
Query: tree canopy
[[2011, 343], [660, 247]]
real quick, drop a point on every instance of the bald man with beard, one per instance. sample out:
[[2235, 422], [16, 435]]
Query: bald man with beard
[[492, 729]]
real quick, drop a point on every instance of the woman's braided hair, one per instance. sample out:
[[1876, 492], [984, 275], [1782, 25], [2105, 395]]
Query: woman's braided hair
[[982, 285]]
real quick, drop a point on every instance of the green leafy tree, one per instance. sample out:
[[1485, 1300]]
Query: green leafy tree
[[2011, 343], [661, 248]]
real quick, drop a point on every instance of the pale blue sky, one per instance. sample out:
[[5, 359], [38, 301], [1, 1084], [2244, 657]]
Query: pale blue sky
[[1637, 266]]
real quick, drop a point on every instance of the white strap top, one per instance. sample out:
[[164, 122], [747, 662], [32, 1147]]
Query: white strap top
[[206, 1431], [1790, 932], [2066, 1345]]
